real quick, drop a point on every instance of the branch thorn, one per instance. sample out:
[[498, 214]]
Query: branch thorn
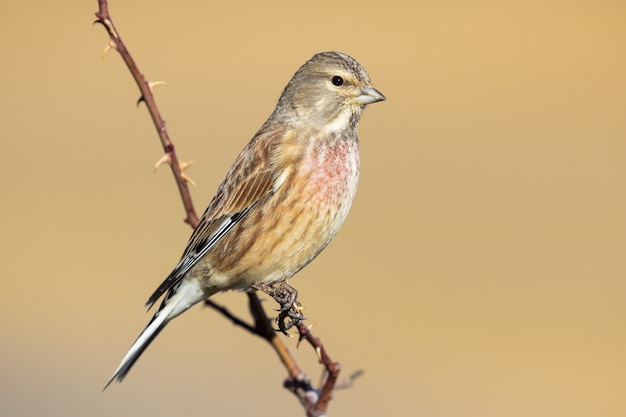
[[183, 168], [155, 83], [302, 336], [165, 159], [187, 179], [111, 45]]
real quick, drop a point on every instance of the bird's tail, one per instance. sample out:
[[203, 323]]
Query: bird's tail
[[178, 300]]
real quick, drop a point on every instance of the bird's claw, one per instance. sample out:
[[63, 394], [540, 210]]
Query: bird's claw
[[290, 311], [289, 318]]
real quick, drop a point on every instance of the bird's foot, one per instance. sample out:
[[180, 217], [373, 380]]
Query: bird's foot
[[290, 311]]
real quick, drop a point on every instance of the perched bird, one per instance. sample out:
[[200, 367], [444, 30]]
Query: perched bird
[[282, 201]]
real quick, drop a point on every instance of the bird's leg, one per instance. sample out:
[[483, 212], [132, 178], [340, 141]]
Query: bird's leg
[[290, 311], [284, 294]]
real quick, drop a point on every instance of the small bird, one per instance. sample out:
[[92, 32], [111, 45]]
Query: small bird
[[283, 199]]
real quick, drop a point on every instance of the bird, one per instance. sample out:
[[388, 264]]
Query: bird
[[282, 201]]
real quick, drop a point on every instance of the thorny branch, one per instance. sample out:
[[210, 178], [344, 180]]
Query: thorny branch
[[115, 42], [314, 401]]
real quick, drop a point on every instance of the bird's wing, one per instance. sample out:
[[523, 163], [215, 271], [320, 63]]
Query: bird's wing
[[252, 177]]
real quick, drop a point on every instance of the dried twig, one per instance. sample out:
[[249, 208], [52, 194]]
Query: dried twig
[[115, 42], [315, 401]]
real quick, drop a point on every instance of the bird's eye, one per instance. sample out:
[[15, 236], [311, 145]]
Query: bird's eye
[[337, 81]]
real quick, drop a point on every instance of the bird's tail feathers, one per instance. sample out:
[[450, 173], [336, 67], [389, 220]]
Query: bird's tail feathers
[[178, 300]]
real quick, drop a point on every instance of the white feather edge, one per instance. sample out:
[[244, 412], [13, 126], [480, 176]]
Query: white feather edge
[[188, 293]]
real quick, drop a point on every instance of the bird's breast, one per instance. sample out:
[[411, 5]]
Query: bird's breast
[[314, 202], [329, 173], [289, 228]]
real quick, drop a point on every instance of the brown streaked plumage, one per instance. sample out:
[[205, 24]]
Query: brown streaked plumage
[[283, 199]]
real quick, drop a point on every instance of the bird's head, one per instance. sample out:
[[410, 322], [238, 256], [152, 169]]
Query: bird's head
[[328, 94]]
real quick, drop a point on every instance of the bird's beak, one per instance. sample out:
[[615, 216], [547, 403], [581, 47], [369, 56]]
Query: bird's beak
[[368, 95]]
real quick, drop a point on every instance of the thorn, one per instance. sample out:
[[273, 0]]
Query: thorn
[[318, 350], [183, 168], [185, 165], [187, 179], [155, 83], [104, 51], [110, 45], [165, 159], [151, 87], [302, 336], [99, 21], [299, 308]]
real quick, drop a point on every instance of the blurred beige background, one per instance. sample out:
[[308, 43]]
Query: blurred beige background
[[481, 271]]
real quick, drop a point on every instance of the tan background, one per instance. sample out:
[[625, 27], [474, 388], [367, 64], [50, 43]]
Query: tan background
[[480, 273]]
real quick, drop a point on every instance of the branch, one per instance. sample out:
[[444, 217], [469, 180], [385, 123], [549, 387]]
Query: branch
[[332, 368], [314, 401], [115, 42]]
